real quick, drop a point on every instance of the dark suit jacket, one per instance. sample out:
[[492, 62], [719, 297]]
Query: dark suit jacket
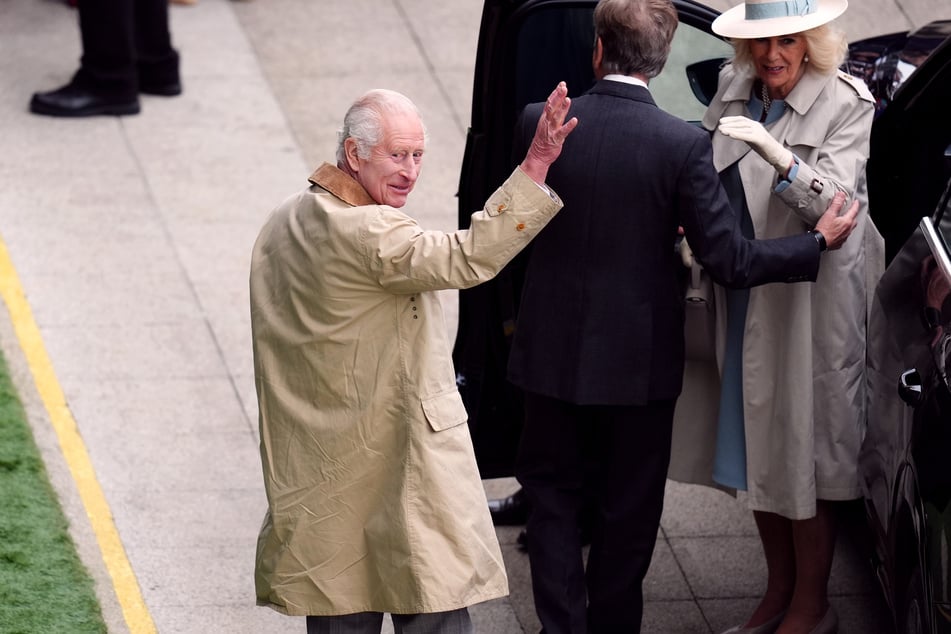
[[601, 315]]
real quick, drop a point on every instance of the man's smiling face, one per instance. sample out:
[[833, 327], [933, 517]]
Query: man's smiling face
[[390, 172]]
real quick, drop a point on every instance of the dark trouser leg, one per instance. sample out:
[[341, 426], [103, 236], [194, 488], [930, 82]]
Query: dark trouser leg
[[359, 623], [550, 468], [126, 42], [108, 62], [156, 60], [451, 622], [630, 460]]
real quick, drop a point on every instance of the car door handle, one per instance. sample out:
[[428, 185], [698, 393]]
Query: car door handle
[[909, 387]]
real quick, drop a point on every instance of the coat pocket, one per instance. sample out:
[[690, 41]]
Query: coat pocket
[[445, 410]]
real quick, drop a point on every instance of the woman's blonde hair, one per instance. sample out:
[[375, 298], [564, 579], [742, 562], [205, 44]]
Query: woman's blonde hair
[[826, 46]]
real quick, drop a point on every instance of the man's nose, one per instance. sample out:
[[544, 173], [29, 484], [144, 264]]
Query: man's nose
[[409, 167]]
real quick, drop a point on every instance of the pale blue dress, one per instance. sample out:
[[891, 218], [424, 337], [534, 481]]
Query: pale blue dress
[[729, 465]]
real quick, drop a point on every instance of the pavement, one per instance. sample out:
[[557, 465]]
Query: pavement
[[124, 254]]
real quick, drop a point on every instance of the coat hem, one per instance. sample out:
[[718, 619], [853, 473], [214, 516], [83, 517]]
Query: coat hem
[[804, 511], [422, 608], [838, 494]]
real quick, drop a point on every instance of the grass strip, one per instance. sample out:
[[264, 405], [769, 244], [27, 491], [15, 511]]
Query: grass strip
[[44, 587]]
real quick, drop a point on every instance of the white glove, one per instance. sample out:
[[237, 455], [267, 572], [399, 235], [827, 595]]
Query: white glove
[[756, 136], [686, 253]]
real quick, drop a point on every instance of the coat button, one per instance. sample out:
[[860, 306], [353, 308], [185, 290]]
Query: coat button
[[520, 226], [500, 208]]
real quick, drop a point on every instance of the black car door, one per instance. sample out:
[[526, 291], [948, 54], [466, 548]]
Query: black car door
[[904, 457], [525, 48], [905, 452]]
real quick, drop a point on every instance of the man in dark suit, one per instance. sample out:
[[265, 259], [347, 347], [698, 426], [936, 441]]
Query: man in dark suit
[[599, 346]]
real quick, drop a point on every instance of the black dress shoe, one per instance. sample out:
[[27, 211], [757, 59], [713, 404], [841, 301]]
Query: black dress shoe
[[510, 511], [74, 101], [162, 89]]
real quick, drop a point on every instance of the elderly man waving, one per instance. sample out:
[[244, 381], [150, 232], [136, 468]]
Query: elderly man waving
[[374, 500]]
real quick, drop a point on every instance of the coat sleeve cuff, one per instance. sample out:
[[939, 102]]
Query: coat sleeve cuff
[[801, 190], [519, 193]]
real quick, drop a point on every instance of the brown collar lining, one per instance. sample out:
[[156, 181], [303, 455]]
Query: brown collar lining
[[341, 185]]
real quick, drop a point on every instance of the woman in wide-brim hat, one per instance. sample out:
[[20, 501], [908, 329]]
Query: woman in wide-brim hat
[[792, 391]]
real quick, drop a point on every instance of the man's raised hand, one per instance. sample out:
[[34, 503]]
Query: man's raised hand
[[550, 134]]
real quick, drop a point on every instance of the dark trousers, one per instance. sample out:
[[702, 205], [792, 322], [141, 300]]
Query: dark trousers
[[126, 43], [619, 455]]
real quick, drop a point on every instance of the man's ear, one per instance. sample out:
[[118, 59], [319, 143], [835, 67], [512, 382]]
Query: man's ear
[[350, 150], [597, 56]]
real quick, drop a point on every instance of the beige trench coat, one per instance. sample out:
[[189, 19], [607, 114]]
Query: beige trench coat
[[374, 499], [804, 383]]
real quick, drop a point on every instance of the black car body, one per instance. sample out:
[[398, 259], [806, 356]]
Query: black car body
[[904, 461], [527, 46]]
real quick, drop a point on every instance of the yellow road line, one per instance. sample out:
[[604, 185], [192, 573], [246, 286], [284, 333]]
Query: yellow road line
[[127, 589]]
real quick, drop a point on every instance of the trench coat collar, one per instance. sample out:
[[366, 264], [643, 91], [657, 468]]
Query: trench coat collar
[[623, 90], [800, 99], [733, 101], [341, 185], [807, 90]]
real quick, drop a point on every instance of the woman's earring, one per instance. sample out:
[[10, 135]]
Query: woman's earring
[[806, 59]]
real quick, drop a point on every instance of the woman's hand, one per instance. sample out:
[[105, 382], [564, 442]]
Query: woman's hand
[[761, 141]]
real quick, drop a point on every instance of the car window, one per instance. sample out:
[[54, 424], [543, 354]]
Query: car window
[[553, 44], [671, 89]]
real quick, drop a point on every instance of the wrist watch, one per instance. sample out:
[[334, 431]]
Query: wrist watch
[[820, 240]]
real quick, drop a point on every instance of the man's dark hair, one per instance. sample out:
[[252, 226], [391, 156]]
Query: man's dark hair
[[635, 35]]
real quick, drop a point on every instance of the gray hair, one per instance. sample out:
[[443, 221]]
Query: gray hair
[[635, 35], [364, 120]]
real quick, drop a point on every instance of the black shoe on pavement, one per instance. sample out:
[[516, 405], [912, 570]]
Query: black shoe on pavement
[[510, 511], [162, 89], [74, 101]]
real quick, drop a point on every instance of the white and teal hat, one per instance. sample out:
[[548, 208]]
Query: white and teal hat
[[769, 18]]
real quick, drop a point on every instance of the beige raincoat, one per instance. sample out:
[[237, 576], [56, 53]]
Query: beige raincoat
[[374, 499], [804, 344]]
